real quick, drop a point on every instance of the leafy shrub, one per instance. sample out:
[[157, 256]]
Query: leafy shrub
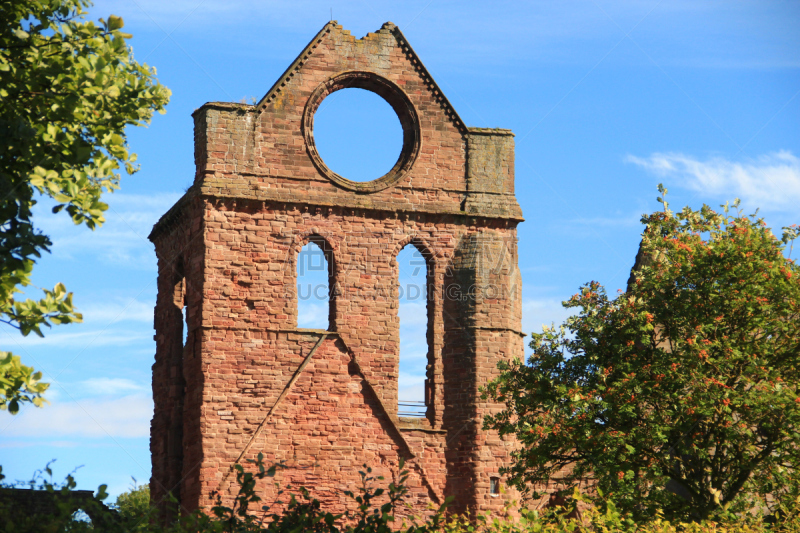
[[681, 394], [133, 506], [303, 513]]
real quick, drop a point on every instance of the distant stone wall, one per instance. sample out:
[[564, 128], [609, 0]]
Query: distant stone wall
[[22, 505], [245, 380]]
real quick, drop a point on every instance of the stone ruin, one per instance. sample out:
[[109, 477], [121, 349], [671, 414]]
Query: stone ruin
[[234, 376]]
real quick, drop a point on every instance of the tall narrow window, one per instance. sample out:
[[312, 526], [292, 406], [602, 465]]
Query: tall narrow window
[[413, 314], [176, 388], [313, 282], [185, 326]]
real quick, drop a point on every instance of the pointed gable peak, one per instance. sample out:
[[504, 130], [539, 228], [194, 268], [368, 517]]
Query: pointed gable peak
[[400, 41]]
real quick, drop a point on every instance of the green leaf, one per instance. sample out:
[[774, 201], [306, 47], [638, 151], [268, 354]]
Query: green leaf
[[115, 23], [83, 87], [693, 368]]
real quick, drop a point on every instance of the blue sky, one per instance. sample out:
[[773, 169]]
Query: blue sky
[[607, 99]]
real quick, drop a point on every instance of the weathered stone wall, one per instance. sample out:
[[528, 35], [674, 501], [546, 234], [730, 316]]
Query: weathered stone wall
[[248, 381], [177, 374]]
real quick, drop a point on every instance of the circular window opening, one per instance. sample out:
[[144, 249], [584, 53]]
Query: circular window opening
[[357, 134]]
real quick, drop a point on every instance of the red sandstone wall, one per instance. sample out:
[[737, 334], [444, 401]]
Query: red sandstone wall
[[267, 149], [257, 199], [324, 430], [249, 285], [177, 376]]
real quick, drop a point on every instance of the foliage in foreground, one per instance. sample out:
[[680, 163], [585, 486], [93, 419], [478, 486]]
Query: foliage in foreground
[[133, 507], [68, 89], [375, 513], [680, 395]]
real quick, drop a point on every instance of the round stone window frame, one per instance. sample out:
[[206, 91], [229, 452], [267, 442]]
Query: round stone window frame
[[401, 105]]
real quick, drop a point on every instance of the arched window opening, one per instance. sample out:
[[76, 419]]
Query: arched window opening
[[177, 387], [314, 279], [184, 314], [413, 391]]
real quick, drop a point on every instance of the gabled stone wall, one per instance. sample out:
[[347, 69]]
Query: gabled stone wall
[[246, 380]]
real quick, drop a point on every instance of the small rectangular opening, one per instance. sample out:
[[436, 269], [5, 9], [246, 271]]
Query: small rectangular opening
[[494, 486]]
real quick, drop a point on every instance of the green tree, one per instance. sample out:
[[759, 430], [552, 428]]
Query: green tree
[[134, 508], [68, 89], [680, 394]]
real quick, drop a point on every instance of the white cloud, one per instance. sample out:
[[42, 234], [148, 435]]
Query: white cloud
[[53, 443], [105, 386], [413, 313], [411, 387], [120, 311], [771, 181], [121, 241], [311, 315], [412, 379], [124, 417], [536, 312], [79, 339], [413, 349], [413, 339]]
